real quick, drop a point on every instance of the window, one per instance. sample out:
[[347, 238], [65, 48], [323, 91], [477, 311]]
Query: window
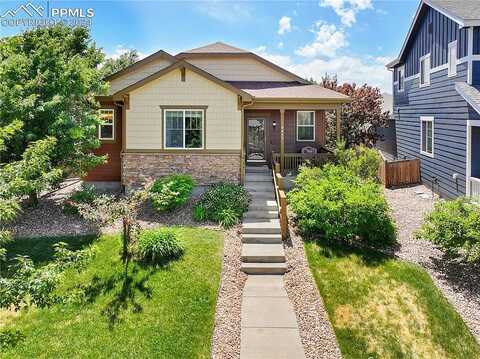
[[106, 130], [183, 129], [305, 125], [425, 70], [401, 78], [452, 58], [426, 136]]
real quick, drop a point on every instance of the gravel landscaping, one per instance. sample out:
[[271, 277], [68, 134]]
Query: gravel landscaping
[[457, 280], [316, 332], [49, 220], [226, 335]]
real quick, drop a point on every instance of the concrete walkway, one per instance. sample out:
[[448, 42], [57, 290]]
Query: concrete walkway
[[269, 325]]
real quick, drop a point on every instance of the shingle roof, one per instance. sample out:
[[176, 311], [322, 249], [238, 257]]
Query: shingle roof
[[289, 91], [216, 47], [464, 10], [469, 93]]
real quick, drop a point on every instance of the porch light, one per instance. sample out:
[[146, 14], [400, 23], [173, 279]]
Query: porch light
[[274, 124]]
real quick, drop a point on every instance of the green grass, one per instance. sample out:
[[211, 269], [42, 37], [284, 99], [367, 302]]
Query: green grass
[[381, 307], [165, 312]]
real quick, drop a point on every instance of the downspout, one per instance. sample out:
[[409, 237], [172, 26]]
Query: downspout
[[242, 145]]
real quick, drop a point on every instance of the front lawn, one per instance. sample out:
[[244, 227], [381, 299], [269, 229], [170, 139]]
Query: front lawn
[[153, 312], [382, 307]]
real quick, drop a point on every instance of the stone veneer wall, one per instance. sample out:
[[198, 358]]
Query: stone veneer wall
[[139, 168]]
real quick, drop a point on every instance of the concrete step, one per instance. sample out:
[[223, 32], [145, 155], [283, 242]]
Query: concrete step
[[262, 205], [264, 268], [261, 226], [258, 177], [263, 196], [261, 214], [262, 238], [262, 253], [259, 187], [257, 169]]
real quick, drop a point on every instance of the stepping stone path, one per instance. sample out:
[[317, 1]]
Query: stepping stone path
[[269, 324]]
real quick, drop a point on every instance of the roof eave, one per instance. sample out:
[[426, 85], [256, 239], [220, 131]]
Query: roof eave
[[141, 63], [176, 65]]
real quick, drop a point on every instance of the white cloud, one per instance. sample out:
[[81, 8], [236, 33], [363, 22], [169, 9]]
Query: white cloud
[[284, 25], [225, 11], [347, 9], [370, 70], [328, 40], [280, 45], [120, 50]]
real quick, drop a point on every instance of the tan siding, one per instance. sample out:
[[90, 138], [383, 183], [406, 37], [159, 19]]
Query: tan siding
[[144, 118], [137, 75], [238, 69]]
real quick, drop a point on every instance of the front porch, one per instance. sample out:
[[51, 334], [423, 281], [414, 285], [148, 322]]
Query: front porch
[[289, 135]]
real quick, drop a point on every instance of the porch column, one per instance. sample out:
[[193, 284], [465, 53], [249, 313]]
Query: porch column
[[282, 138], [338, 113]]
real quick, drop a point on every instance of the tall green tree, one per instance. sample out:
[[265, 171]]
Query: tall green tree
[[48, 79], [110, 66]]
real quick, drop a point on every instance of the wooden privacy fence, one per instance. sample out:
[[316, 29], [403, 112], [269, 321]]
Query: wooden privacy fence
[[292, 161], [281, 199], [399, 173]]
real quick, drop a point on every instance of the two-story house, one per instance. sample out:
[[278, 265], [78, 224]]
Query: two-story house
[[436, 82]]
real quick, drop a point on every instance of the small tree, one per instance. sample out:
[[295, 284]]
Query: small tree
[[33, 173], [110, 66], [106, 210], [360, 118]]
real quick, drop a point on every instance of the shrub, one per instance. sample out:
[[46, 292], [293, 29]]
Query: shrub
[[158, 245], [223, 203], [86, 194], [10, 338], [171, 191], [334, 202], [361, 160], [455, 226]]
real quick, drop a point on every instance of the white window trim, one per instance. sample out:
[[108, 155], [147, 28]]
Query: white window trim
[[402, 69], [432, 120], [113, 126], [427, 71], [165, 129], [314, 125], [454, 72]]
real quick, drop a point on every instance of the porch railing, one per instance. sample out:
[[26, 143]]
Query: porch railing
[[474, 187], [292, 161], [281, 199]]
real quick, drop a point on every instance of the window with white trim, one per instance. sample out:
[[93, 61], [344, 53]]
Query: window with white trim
[[426, 135], [305, 125], [401, 78], [106, 129], [183, 129], [452, 58], [425, 70]]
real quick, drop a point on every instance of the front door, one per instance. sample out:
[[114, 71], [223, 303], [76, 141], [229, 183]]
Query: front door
[[256, 139]]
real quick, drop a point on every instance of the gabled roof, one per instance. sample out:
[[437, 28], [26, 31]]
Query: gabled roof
[[182, 64], [464, 12], [140, 63], [225, 50], [216, 47], [470, 94]]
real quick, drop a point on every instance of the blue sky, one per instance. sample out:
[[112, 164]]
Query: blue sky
[[353, 38]]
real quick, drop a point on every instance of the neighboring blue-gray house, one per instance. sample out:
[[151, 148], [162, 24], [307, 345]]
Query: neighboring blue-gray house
[[436, 83]]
